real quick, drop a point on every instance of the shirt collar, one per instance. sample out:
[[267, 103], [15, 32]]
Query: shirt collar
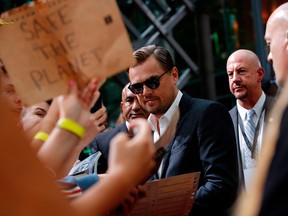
[[257, 107], [165, 119], [127, 125]]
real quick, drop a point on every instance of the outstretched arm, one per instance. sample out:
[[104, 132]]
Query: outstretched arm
[[62, 148], [31, 189]]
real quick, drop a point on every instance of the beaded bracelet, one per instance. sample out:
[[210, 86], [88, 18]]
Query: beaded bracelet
[[41, 136], [71, 126]]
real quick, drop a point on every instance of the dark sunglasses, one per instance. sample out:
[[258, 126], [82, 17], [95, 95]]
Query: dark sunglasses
[[152, 83]]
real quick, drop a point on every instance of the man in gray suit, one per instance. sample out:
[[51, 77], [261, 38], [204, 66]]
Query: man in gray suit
[[204, 139], [245, 75]]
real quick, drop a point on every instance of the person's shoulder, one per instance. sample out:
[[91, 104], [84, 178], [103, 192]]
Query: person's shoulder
[[190, 105], [112, 131], [233, 110], [103, 138], [199, 101]]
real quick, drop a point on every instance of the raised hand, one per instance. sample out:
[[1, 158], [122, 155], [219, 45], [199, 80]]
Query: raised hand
[[133, 157], [76, 104], [95, 124]]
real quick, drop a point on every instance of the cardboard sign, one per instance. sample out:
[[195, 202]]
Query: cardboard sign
[[173, 196], [49, 44]]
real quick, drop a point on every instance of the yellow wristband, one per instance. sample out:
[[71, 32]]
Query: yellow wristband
[[71, 126], [41, 136]]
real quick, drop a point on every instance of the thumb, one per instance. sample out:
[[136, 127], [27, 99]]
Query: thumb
[[72, 87]]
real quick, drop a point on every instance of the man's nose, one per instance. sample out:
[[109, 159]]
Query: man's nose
[[235, 77], [269, 57], [146, 90], [136, 104]]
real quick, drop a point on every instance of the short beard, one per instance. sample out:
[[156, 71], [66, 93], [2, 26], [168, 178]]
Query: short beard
[[241, 97]]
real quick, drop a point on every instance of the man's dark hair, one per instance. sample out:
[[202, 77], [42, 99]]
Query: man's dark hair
[[159, 53]]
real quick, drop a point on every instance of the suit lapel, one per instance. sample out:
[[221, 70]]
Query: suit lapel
[[183, 107], [234, 115]]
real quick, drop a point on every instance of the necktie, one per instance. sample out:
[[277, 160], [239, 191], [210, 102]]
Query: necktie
[[249, 126]]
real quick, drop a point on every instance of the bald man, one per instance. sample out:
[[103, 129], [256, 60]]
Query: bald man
[[245, 75], [131, 109], [275, 201]]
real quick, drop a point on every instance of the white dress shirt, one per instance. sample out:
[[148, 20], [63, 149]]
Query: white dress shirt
[[163, 121], [258, 119]]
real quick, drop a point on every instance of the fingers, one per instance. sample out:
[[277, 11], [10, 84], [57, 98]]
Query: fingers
[[134, 155], [132, 199], [119, 140], [98, 119], [94, 99], [142, 191], [101, 128], [140, 129], [100, 114], [59, 100], [89, 93], [73, 89], [103, 123], [94, 127]]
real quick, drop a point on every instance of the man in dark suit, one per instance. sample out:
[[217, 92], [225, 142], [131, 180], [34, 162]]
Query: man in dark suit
[[245, 75], [204, 139], [131, 109], [275, 191]]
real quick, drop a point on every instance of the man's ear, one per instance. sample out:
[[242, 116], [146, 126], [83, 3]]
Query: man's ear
[[175, 74], [121, 106], [260, 73]]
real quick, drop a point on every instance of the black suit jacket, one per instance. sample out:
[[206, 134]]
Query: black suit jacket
[[204, 141], [234, 115], [101, 143], [275, 199]]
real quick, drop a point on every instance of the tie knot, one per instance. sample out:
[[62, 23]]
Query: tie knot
[[250, 113]]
